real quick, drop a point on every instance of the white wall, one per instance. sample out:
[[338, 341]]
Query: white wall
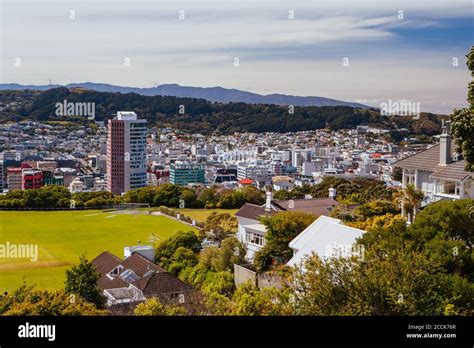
[[243, 222]]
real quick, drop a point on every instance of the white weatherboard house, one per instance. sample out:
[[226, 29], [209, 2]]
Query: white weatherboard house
[[251, 231], [438, 172], [325, 237]]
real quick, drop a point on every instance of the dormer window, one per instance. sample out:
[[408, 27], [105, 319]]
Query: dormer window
[[116, 271]]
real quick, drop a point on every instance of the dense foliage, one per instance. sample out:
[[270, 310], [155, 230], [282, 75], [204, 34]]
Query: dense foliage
[[281, 228], [183, 197], [354, 191], [167, 194], [463, 121], [81, 279], [219, 226], [178, 252], [200, 115], [59, 197], [26, 300], [153, 306]]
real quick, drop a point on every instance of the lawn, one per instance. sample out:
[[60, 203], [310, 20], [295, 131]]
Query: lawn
[[63, 236], [202, 214], [196, 214]]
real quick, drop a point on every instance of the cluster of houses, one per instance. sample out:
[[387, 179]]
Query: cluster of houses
[[437, 171]]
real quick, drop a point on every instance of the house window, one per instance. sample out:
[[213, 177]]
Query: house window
[[255, 238], [410, 177], [116, 270]]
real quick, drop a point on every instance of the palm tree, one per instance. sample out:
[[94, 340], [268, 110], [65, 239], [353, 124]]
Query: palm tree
[[409, 200]]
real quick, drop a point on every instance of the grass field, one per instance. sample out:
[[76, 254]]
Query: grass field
[[63, 236], [197, 214], [202, 214]]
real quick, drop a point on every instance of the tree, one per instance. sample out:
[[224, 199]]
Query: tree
[[249, 300], [445, 231], [181, 259], [395, 282], [167, 248], [462, 127], [263, 259], [26, 300], [375, 208], [219, 226], [82, 279], [409, 199], [153, 306], [377, 221], [220, 283], [230, 252], [282, 228]]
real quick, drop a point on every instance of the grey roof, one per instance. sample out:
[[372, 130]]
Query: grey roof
[[315, 206], [428, 160], [253, 211], [453, 170]]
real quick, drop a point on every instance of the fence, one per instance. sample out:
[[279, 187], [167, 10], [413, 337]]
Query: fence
[[243, 274]]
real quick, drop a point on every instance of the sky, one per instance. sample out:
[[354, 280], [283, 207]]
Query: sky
[[368, 51]]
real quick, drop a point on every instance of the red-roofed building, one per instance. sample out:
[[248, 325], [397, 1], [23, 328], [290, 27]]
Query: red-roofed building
[[245, 182], [128, 282]]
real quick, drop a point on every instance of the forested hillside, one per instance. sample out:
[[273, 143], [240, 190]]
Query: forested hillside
[[198, 115]]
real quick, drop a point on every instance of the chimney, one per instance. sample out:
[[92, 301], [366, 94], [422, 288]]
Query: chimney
[[268, 203], [445, 145], [332, 193]]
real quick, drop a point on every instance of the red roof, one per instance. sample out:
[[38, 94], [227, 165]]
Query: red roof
[[246, 181]]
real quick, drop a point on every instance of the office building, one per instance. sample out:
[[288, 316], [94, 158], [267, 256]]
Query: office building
[[126, 153], [184, 173]]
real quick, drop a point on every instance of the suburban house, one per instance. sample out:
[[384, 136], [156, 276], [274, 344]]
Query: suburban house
[[134, 279], [252, 233], [325, 237], [437, 171]]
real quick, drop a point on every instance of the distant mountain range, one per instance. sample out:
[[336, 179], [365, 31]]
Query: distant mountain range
[[213, 94]]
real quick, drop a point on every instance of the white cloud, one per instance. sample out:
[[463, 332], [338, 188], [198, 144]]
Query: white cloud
[[199, 50]]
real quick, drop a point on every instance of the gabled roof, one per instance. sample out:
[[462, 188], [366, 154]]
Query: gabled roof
[[140, 265], [253, 211], [136, 263], [453, 170], [428, 160], [424, 160], [105, 262], [157, 284], [300, 240], [318, 237], [315, 206]]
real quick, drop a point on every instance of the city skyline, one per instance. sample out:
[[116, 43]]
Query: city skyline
[[395, 51]]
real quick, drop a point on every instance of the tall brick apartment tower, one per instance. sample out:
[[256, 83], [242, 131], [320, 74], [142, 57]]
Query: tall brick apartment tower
[[126, 153]]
